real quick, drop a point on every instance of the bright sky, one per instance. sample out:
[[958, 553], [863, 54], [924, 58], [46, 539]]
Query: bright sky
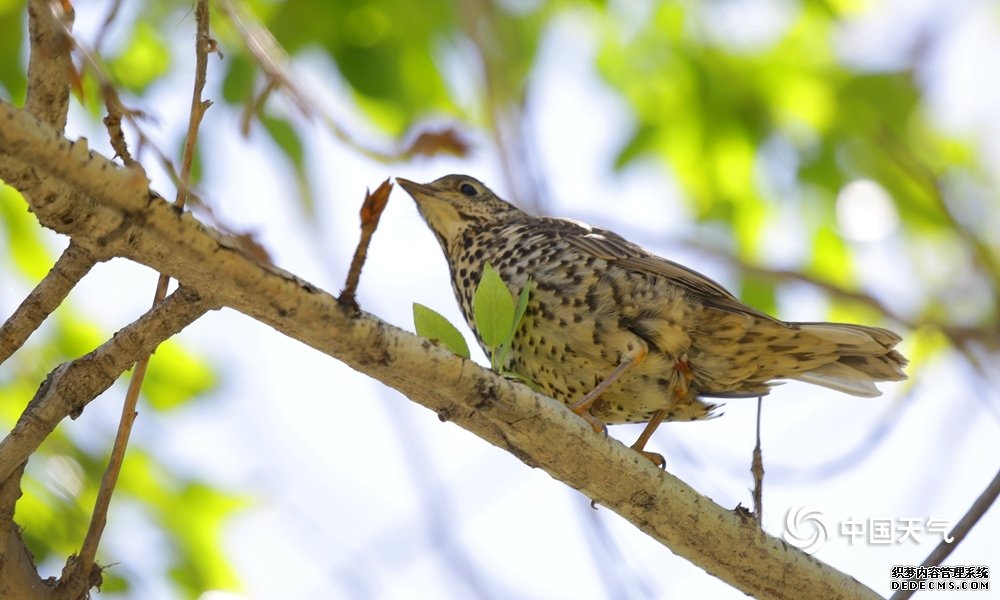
[[361, 493]]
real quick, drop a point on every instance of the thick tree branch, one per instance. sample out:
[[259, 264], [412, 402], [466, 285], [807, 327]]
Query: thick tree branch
[[120, 217], [49, 65]]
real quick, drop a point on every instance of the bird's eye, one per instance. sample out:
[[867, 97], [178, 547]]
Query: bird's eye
[[468, 189]]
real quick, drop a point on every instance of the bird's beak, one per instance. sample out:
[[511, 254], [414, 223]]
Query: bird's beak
[[436, 209], [415, 189]]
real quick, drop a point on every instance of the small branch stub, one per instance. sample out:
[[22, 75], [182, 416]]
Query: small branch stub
[[371, 212]]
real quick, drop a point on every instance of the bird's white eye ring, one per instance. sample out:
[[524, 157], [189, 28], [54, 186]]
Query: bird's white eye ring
[[468, 189]]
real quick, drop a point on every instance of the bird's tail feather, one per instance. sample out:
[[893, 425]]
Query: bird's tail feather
[[865, 355]]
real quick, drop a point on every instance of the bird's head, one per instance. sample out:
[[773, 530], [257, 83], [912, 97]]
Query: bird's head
[[454, 203]]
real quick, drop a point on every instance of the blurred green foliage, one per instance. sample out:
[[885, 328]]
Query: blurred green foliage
[[13, 77], [142, 61], [384, 50], [703, 108]]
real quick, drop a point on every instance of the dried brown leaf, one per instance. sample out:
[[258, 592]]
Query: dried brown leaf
[[447, 141]]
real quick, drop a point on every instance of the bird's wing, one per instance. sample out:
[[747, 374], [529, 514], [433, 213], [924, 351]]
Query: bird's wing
[[613, 248]]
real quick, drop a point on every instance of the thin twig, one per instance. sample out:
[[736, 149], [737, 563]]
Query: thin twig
[[371, 211], [69, 269], [204, 45], [113, 123], [99, 518], [757, 469], [958, 533]]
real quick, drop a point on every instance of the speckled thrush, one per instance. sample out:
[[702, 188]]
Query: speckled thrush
[[624, 336]]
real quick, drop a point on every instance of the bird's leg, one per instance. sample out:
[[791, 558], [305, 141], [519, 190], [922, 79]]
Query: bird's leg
[[582, 407], [654, 422], [683, 377], [757, 470]]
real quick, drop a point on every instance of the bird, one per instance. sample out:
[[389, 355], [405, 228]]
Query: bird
[[621, 335]]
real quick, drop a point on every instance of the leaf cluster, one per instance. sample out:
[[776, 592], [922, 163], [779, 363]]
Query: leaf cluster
[[496, 318]]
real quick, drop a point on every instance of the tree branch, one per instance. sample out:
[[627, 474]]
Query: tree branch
[[72, 385], [65, 392], [73, 264], [49, 65], [18, 574], [122, 218], [959, 531], [49, 68]]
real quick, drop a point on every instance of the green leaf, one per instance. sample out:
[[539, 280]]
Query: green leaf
[[493, 308], [431, 325], [522, 305]]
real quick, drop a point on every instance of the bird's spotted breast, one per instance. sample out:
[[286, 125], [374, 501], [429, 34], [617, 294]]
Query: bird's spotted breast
[[571, 336]]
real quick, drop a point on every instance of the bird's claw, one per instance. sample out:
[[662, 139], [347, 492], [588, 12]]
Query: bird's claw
[[653, 457], [599, 427]]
